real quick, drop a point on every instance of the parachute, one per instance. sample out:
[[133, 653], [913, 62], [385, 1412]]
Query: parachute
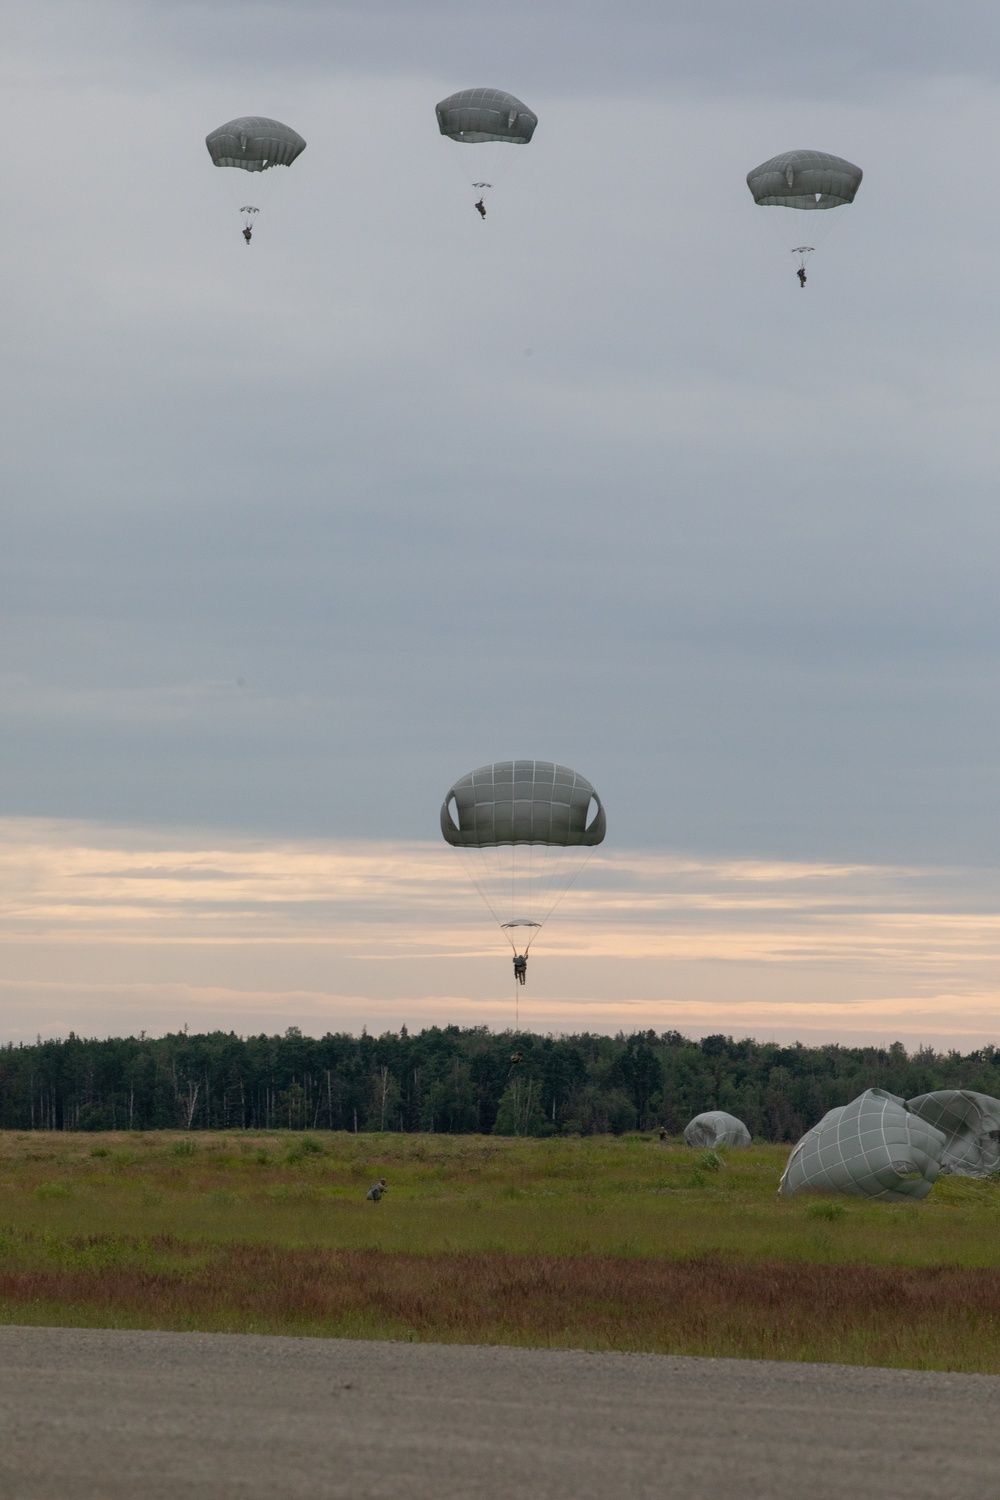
[[874, 1147], [524, 829], [971, 1124], [479, 120], [716, 1128], [253, 143], [808, 180]]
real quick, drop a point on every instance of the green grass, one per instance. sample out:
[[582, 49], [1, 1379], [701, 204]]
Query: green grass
[[626, 1196], [598, 1243]]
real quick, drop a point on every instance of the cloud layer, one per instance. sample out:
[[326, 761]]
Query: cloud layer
[[295, 535], [114, 930]]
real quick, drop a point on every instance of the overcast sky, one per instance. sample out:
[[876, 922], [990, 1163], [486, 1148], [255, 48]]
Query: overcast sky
[[296, 534]]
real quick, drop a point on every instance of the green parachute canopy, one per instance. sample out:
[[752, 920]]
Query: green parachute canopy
[[475, 115], [804, 179], [254, 143], [522, 802]]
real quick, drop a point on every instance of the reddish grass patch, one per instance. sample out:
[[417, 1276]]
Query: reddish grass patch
[[944, 1318]]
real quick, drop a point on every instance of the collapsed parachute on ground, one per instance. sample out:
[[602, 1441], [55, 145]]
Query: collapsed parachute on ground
[[873, 1147], [253, 143], [479, 120], [716, 1128], [524, 830], [804, 180], [971, 1126]]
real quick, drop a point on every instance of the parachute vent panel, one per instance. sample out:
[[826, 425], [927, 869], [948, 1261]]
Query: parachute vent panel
[[254, 143], [522, 802], [474, 115], [804, 179]]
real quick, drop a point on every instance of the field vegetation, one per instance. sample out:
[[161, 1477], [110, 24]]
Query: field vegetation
[[602, 1242]]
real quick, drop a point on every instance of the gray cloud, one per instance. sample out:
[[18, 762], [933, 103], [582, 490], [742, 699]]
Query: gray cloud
[[711, 537], [785, 48]]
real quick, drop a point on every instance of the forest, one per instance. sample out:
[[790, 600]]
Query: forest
[[456, 1081]]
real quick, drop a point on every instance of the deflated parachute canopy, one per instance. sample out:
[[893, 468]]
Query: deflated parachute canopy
[[524, 830], [474, 115], [254, 144], [971, 1126], [804, 179], [871, 1148], [716, 1128]]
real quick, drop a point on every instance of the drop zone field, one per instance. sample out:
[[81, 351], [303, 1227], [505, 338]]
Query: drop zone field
[[599, 1243]]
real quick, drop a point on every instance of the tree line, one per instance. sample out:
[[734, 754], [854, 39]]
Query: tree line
[[456, 1080]]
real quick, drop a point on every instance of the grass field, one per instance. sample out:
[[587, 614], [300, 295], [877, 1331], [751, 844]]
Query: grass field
[[613, 1243]]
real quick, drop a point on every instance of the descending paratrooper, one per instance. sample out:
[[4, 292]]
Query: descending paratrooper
[[524, 830], [806, 180], [479, 120], [253, 143]]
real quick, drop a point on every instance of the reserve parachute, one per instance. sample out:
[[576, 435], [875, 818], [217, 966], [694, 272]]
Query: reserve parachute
[[524, 830], [480, 121], [805, 180], [253, 143]]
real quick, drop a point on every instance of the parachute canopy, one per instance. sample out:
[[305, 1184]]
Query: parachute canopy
[[716, 1128], [254, 143], [522, 802], [873, 1147], [804, 179], [971, 1125], [474, 115]]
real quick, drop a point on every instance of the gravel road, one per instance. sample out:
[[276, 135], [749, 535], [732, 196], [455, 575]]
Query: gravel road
[[101, 1415]]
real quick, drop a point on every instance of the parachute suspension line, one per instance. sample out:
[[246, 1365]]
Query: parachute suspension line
[[569, 884], [482, 164], [556, 878], [481, 884], [521, 894], [821, 227]]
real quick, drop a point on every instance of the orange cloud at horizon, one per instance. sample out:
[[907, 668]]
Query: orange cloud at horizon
[[109, 930]]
